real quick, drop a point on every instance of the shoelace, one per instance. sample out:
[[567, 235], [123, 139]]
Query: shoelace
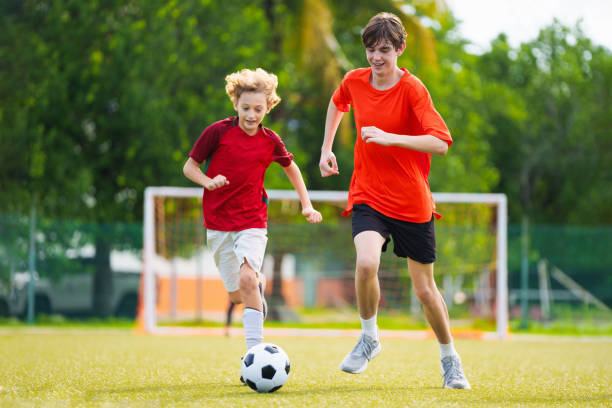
[[366, 348], [451, 370]]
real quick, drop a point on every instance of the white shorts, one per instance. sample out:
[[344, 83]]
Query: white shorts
[[231, 248]]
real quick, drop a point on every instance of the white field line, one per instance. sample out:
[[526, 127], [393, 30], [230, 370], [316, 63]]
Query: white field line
[[385, 334], [297, 332]]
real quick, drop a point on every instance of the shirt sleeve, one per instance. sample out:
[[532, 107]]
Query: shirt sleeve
[[280, 153], [342, 96], [429, 118], [207, 142]]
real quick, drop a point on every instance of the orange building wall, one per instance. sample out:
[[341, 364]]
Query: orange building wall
[[214, 297]]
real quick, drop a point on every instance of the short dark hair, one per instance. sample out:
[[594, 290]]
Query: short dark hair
[[384, 26]]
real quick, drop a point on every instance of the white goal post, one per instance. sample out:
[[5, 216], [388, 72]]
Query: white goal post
[[149, 301]]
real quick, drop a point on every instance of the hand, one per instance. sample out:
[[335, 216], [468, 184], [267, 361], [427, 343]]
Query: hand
[[217, 182], [324, 164], [372, 134], [312, 215]]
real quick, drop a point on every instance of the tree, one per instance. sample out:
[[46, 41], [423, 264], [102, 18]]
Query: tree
[[105, 98], [552, 122]]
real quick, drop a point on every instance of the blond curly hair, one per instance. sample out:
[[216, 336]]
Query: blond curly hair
[[247, 80]]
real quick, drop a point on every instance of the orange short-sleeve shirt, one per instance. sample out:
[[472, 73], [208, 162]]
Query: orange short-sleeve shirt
[[392, 180]]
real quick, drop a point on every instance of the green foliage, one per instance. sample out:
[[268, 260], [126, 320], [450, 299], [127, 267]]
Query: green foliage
[[99, 99], [552, 139], [104, 99], [13, 246]]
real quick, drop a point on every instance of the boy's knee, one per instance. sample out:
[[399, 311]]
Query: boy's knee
[[248, 282], [426, 294], [367, 266]]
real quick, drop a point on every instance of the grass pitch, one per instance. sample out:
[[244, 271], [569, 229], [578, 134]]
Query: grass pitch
[[81, 367]]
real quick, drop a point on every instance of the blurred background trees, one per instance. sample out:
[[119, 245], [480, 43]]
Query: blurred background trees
[[99, 99]]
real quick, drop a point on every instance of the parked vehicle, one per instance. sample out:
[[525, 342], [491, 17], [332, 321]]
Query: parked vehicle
[[72, 295]]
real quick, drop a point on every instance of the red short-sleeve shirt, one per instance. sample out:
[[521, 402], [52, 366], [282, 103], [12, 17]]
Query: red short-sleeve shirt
[[243, 159], [393, 180]]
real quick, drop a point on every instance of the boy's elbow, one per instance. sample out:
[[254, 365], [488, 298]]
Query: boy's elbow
[[443, 148], [189, 164]]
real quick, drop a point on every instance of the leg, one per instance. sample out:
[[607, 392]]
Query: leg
[[428, 294], [437, 315], [235, 297], [228, 317], [368, 245], [239, 278], [249, 289], [252, 317], [249, 248], [221, 244]]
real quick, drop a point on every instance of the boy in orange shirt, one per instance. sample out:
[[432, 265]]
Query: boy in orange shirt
[[398, 129]]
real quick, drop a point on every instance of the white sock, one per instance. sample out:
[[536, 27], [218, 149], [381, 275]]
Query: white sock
[[252, 321], [369, 328], [447, 350]]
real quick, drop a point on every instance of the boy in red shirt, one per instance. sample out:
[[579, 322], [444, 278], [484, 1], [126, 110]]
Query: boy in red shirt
[[237, 151], [398, 129]]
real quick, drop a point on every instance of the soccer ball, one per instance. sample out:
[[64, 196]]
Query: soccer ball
[[265, 367]]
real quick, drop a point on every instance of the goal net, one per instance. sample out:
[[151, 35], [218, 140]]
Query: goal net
[[310, 267]]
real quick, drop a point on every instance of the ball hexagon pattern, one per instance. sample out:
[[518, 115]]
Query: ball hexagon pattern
[[265, 367]]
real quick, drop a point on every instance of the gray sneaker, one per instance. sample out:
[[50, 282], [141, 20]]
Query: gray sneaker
[[453, 373], [357, 360], [262, 287]]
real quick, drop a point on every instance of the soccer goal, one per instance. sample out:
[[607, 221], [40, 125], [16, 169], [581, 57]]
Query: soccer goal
[[311, 266]]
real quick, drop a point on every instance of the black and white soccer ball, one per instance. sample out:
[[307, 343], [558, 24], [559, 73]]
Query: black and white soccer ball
[[265, 367]]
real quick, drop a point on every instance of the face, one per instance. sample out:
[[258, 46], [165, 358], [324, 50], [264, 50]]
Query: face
[[383, 57], [251, 108]]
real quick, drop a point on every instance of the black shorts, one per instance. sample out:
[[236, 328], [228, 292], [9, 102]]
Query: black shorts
[[416, 241]]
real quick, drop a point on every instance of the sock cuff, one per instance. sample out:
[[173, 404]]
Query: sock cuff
[[369, 327], [447, 349]]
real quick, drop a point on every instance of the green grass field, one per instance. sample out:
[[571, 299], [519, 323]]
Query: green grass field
[[105, 367]]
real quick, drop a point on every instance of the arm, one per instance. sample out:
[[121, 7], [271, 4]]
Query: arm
[[327, 156], [192, 171], [295, 176], [421, 143]]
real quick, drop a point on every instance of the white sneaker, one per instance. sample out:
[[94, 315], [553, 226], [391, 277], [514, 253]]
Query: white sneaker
[[453, 375], [357, 360]]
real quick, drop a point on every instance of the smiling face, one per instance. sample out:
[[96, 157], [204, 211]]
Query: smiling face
[[382, 57], [251, 108]]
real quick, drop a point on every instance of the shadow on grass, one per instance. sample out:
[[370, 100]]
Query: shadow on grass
[[350, 389], [224, 390]]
